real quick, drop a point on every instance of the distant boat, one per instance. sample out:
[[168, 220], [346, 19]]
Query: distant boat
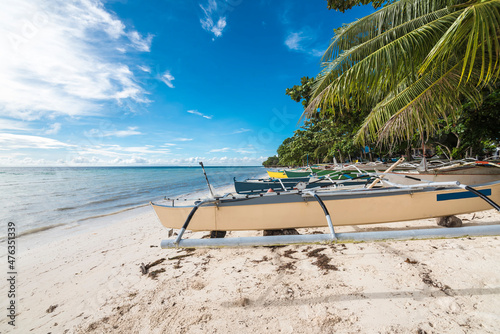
[[471, 173], [263, 185], [292, 173], [299, 209]]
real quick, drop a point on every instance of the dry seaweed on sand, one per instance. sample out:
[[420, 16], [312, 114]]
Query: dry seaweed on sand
[[288, 253], [155, 273], [287, 266], [264, 258], [145, 268], [323, 261], [315, 252]]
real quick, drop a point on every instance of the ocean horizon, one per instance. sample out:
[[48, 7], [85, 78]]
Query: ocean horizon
[[38, 199]]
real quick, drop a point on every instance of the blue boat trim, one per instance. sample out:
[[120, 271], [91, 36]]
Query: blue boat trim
[[460, 195]]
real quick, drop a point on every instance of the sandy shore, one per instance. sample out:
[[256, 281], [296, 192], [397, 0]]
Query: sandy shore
[[92, 283]]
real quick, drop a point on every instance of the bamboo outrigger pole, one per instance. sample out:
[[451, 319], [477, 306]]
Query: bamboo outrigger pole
[[390, 169]]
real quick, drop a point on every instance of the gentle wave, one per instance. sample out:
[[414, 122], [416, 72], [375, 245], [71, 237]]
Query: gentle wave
[[33, 231], [113, 213]]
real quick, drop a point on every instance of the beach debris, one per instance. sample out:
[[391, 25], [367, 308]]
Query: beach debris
[[322, 260], [155, 273], [178, 257], [288, 253], [449, 221], [145, 268], [427, 279], [287, 266], [411, 261], [264, 258], [52, 308], [338, 247]]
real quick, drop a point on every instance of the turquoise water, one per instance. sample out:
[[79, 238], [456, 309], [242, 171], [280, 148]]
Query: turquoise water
[[41, 198]]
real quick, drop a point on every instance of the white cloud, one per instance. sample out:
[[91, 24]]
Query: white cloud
[[141, 44], [211, 20], [293, 40], [7, 124], [242, 130], [118, 151], [167, 78], [14, 142], [169, 144], [225, 149], [126, 160], [183, 139], [304, 41], [245, 151], [144, 68], [131, 131], [57, 58], [196, 112], [53, 129]]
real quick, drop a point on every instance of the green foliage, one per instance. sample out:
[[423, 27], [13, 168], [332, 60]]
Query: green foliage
[[271, 162], [475, 131], [343, 5], [412, 71], [301, 92], [320, 140], [411, 63]]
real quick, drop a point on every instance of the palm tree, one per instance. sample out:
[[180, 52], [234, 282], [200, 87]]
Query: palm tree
[[412, 63]]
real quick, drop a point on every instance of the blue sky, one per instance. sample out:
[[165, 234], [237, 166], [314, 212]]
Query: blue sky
[[105, 83]]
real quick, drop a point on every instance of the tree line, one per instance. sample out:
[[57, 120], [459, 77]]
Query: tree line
[[413, 74]]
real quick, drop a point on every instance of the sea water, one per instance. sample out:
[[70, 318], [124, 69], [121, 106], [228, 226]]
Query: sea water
[[39, 198]]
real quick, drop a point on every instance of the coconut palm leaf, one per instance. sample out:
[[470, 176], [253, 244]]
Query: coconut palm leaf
[[412, 62]]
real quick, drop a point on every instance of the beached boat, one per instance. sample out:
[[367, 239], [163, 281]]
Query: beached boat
[[297, 209], [471, 173], [292, 173], [263, 185]]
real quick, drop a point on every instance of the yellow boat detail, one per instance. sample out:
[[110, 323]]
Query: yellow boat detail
[[277, 175]]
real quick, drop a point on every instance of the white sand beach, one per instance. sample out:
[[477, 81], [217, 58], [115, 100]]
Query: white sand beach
[[91, 282]]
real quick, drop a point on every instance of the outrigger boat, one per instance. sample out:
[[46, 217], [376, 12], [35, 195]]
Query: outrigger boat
[[470, 173], [256, 186], [309, 208]]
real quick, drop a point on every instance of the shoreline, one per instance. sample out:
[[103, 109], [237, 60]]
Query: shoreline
[[59, 231], [91, 282]]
